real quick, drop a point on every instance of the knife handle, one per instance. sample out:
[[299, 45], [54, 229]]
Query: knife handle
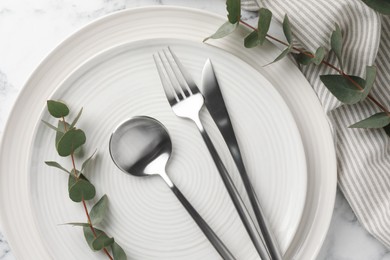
[[242, 210]]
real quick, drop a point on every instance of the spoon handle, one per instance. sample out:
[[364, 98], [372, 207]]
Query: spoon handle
[[213, 238], [256, 237]]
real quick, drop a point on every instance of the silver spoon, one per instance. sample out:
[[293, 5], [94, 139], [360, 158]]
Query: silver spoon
[[141, 146]]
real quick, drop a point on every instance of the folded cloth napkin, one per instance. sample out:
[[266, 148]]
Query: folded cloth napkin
[[363, 155]]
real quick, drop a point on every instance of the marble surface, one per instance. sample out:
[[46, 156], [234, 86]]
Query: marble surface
[[30, 29]]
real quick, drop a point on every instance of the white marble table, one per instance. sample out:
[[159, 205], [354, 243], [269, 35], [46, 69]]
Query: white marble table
[[30, 29]]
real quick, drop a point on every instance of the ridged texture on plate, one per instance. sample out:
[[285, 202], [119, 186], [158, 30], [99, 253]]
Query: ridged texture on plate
[[144, 215]]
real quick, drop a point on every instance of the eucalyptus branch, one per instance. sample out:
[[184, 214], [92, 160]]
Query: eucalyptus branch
[[83, 200], [68, 141], [310, 55]]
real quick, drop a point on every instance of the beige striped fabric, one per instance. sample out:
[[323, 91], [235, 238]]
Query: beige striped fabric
[[363, 155]]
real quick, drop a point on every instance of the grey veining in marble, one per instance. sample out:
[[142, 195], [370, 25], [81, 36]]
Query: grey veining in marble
[[30, 29]]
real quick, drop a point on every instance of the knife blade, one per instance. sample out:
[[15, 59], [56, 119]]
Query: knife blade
[[216, 106]]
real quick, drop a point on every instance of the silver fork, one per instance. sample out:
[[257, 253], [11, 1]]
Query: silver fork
[[186, 101]]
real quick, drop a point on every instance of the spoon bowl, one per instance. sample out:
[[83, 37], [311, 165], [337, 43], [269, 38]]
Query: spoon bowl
[[141, 146]]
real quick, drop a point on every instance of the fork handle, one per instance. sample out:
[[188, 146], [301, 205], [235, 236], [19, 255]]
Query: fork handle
[[212, 237], [242, 210]]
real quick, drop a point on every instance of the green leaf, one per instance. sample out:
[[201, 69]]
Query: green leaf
[[89, 236], [77, 224], [264, 22], [287, 29], [336, 43], [70, 141], [80, 189], [378, 120], [86, 162], [57, 109], [282, 55], [102, 241], [76, 119], [233, 8], [387, 130], [79, 152], [50, 126], [343, 89], [225, 29], [99, 210], [57, 165], [118, 252], [252, 40], [319, 56], [305, 58], [61, 131], [371, 72], [382, 6]]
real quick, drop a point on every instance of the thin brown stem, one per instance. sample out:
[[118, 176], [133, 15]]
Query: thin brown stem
[[340, 71]]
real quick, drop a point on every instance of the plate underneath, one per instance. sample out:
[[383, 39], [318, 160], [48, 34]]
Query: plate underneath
[[144, 216]]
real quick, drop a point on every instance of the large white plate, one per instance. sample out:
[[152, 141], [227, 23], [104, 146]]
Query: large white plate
[[142, 24], [123, 82]]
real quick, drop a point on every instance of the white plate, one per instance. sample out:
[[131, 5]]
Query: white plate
[[123, 82], [141, 24]]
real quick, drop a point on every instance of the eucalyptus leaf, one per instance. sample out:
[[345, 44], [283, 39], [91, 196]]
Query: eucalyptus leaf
[[305, 58], [118, 252], [382, 6], [57, 109], [287, 29], [89, 236], [387, 130], [80, 189], [70, 141], [79, 152], [61, 131], [99, 210], [225, 29], [371, 72], [378, 120], [336, 43], [319, 56], [233, 8], [102, 241], [343, 89], [51, 126], [282, 55], [76, 118], [56, 165], [87, 161], [263, 24], [77, 224], [252, 40]]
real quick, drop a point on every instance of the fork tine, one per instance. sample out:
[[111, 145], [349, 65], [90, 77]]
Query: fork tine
[[168, 88], [182, 83], [174, 75], [184, 74]]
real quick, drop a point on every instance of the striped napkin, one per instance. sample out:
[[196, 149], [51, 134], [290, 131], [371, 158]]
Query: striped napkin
[[363, 155]]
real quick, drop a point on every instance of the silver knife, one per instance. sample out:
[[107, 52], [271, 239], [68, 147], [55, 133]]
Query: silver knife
[[217, 109]]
